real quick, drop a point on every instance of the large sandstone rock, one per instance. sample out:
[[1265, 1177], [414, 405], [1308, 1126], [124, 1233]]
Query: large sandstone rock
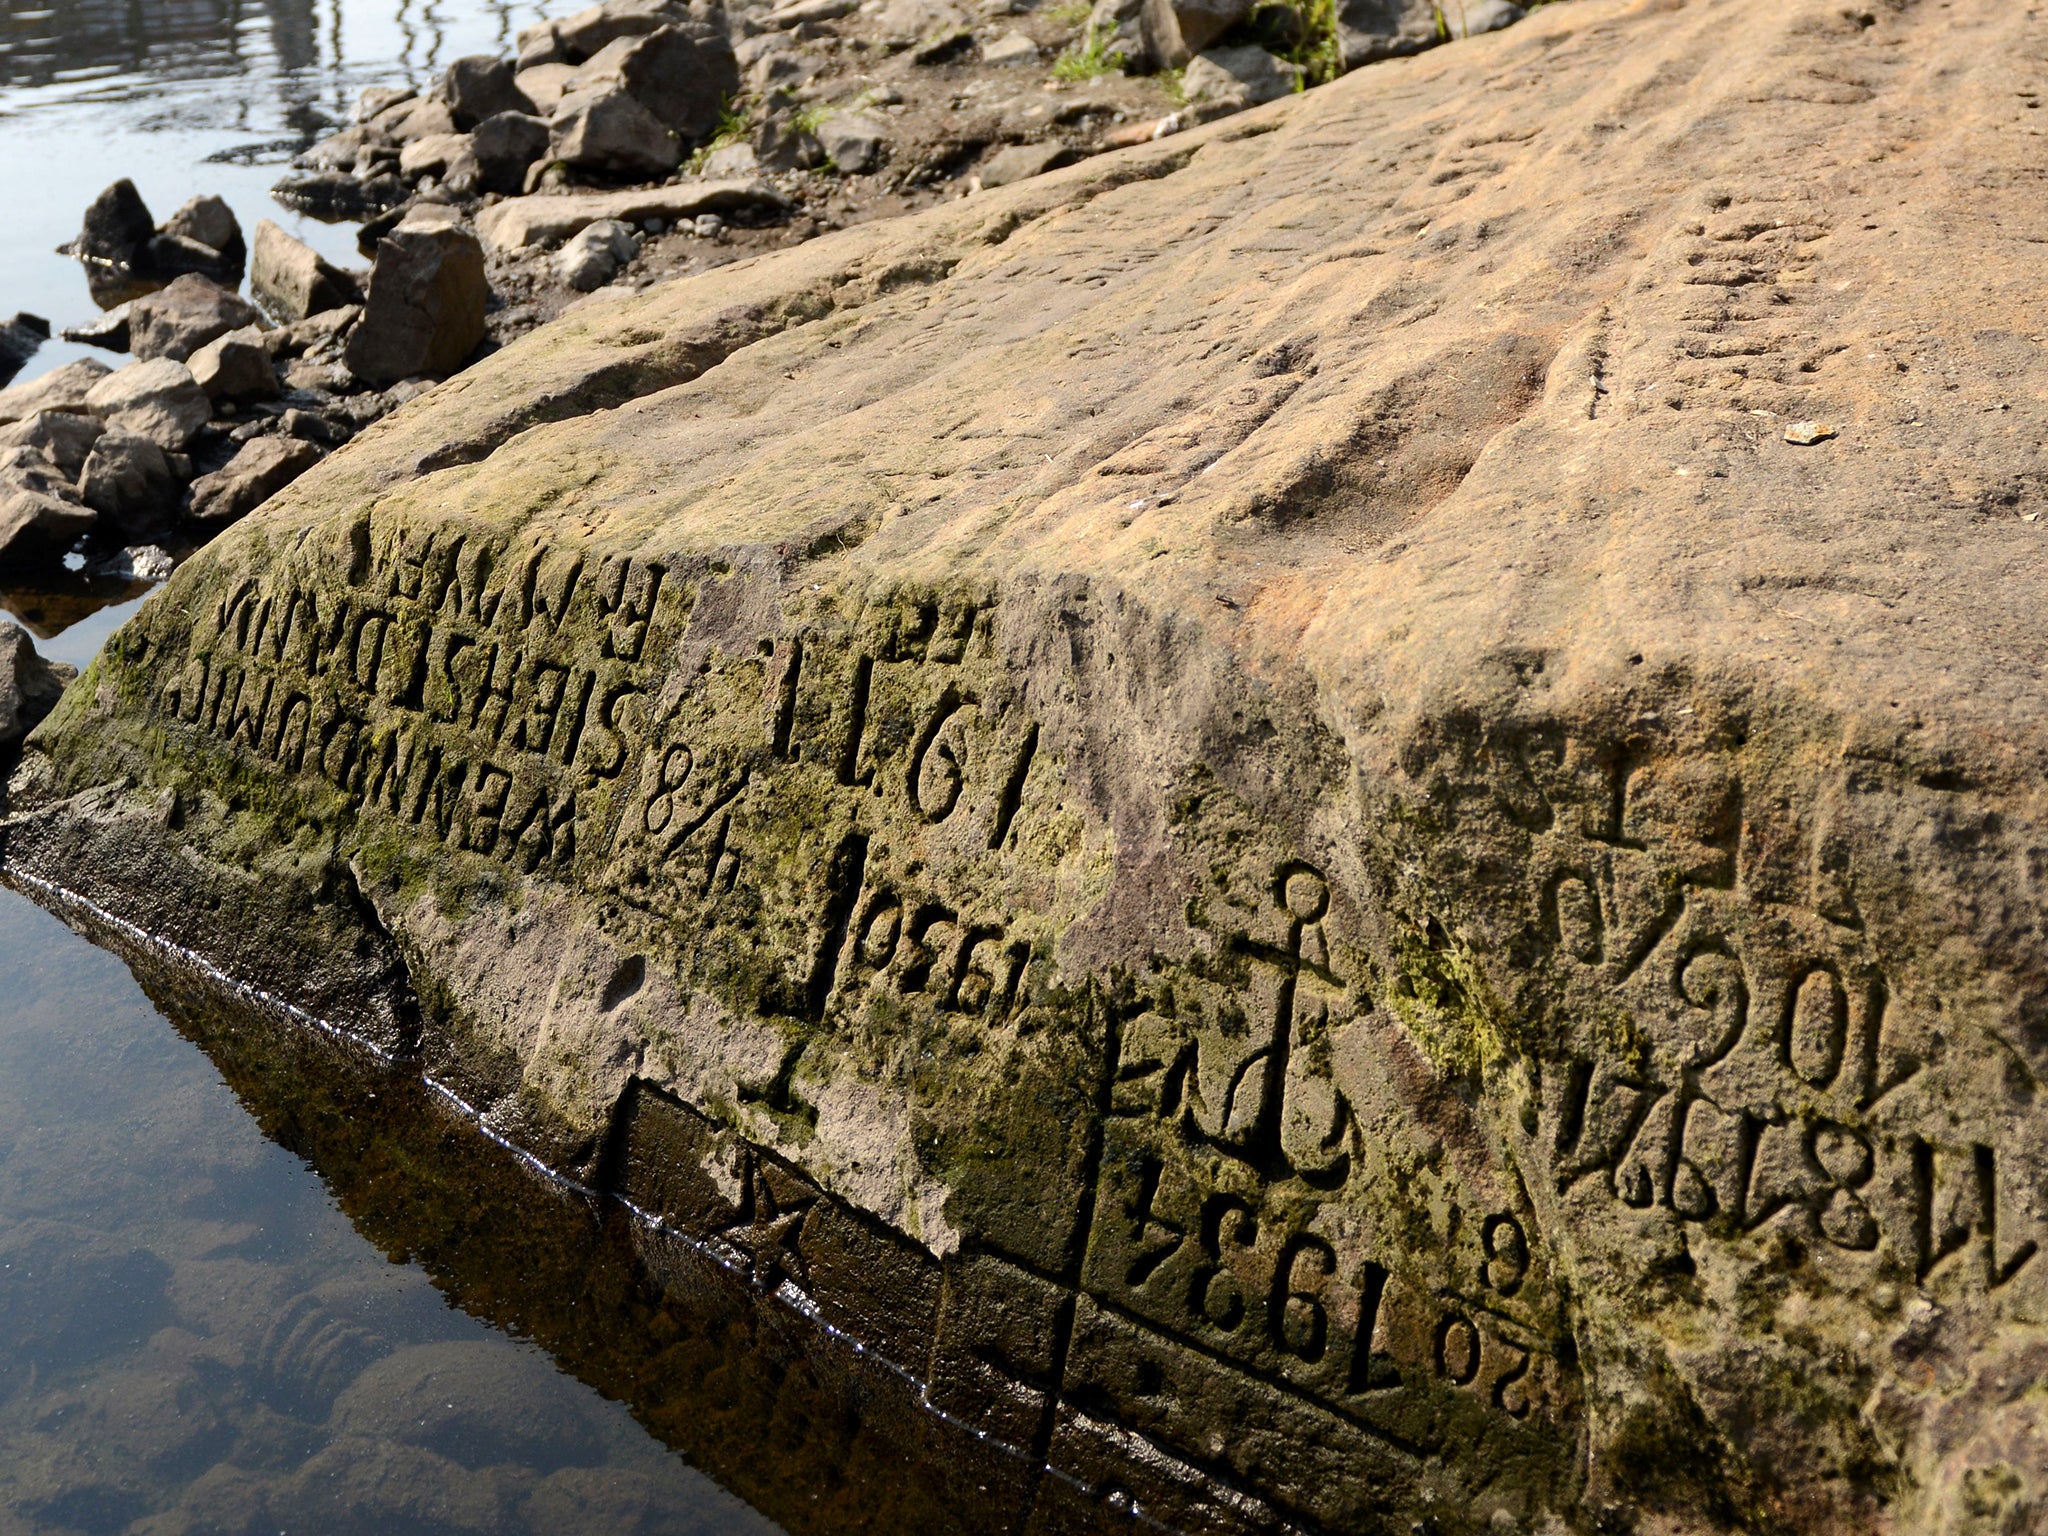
[[1240, 802]]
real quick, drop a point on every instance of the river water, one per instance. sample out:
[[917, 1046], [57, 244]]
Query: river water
[[215, 1313]]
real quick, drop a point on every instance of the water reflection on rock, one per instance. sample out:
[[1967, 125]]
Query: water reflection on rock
[[193, 1340], [351, 1422]]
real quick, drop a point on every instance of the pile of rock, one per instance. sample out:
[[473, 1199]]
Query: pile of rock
[[126, 251], [622, 91]]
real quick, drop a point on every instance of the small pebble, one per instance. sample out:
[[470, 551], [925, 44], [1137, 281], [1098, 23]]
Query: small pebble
[[707, 226], [1807, 433], [654, 226]]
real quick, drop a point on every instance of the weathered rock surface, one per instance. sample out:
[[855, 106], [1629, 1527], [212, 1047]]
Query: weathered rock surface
[[29, 685], [292, 279], [128, 477], [63, 388], [1239, 802], [158, 399], [258, 471], [424, 312], [519, 222], [184, 316]]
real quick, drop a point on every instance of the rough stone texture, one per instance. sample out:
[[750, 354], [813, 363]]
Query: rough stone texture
[[607, 131], [159, 399], [1379, 29], [263, 467], [210, 222], [1239, 802], [519, 222], [236, 366], [117, 228], [479, 87], [63, 388], [424, 313], [504, 146], [594, 256], [128, 478], [1243, 77], [292, 280], [1173, 31], [184, 316], [853, 141], [60, 436], [681, 78], [29, 685]]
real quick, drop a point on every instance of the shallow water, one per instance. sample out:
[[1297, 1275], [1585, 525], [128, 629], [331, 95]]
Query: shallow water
[[192, 96], [198, 1330], [193, 1335]]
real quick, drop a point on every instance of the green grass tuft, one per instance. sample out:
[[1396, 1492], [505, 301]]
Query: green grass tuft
[[1091, 57]]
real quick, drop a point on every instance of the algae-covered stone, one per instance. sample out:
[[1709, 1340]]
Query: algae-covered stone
[[1238, 802]]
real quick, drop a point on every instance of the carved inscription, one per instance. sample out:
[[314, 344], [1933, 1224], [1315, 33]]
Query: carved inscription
[[1767, 1077]]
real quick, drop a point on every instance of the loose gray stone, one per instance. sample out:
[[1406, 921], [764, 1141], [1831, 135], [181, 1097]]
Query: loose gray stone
[[593, 257], [29, 685], [379, 99], [63, 388], [259, 471], [1010, 48], [432, 155], [1018, 161], [480, 86], [682, 79], [418, 117], [1245, 76], [158, 399], [424, 313], [178, 320], [730, 160], [292, 280], [852, 141], [210, 221], [236, 366], [582, 35], [543, 85], [504, 146], [1380, 29], [607, 131], [39, 515], [63, 437], [128, 478]]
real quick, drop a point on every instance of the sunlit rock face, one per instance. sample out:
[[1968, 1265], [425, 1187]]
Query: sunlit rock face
[[1339, 819]]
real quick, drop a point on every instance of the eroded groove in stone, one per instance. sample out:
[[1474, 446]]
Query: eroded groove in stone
[[1287, 761]]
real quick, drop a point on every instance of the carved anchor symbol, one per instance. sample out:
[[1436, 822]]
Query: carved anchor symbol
[[1275, 1115]]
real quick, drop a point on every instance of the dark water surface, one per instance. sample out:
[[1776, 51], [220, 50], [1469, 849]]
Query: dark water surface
[[194, 1337]]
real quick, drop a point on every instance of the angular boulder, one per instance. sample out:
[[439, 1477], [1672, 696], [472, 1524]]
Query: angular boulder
[[479, 87], [292, 280], [236, 366], [184, 316], [1240, 803], [259, 470], [29, 685], [680, 76], [606, 130], [63, 388], [159, 399], [424, 312], [128, 478], [60, 436]]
